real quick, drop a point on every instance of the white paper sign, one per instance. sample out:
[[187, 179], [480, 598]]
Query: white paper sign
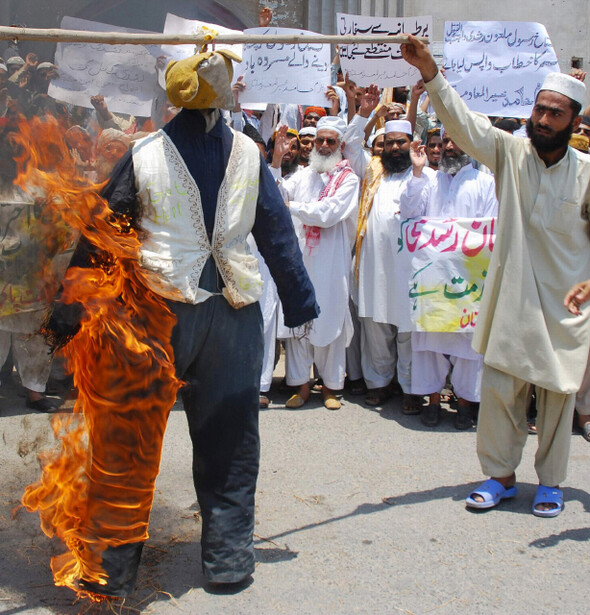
[[379, 63], [497, 67], [282, 73], [124, 74], [180, 25]]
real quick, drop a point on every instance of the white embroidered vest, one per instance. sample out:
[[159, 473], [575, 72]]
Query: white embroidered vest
[[176, 246]]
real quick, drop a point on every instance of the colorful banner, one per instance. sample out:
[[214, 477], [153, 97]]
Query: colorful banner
[[447, 263]]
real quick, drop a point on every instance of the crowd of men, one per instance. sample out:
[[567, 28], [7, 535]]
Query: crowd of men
[[347, 172]]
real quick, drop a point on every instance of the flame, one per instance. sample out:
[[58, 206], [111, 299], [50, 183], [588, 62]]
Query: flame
[[96, 489]]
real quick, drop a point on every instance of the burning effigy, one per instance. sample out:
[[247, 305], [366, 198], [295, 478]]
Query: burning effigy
[[122, 365]]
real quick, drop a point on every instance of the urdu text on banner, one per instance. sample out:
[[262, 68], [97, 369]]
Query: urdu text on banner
[[447, 262], [498, 67], [379, 63], [124, 74], [285, 73]]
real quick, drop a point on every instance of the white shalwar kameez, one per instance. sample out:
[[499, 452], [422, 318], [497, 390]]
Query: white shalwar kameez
[[385, 334], [327, 258], [468, 194], [268, 306]]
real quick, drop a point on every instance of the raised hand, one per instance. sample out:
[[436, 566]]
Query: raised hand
[[416, 53], [264, 17], [418, 157], [369, 100]]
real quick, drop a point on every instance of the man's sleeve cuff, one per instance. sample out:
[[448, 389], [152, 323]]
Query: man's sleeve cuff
[[436, 84]]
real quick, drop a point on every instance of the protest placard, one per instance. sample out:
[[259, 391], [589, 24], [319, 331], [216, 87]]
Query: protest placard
[[179, 25], [124, 74], [379, 63], [497, 67], [447, 263], [284, 73]]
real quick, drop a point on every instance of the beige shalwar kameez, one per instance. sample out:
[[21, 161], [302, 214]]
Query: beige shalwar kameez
[[523, 330]]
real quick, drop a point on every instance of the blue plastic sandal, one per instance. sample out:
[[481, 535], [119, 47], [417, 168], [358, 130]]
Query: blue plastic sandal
[[492, 492], [548, 495]]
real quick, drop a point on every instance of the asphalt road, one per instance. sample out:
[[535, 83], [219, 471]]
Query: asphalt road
[[358, 511]]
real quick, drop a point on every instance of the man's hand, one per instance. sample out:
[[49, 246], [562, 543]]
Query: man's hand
[[418, 90], [333, 99], [416, 53], [369, 101], [31, 61], [237, 88], [264, 17], [282, 145], [578, 73], [418, 157], [349, 88], [99, 103], [576, 296]]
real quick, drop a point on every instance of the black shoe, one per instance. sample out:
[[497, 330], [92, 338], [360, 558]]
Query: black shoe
[[44, 404], [431, 415], [463, 418], [411, 404]]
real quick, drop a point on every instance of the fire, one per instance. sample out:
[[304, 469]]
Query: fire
[[96, 489]]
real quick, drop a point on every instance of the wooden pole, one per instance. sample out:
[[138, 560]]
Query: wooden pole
[[118, 38]]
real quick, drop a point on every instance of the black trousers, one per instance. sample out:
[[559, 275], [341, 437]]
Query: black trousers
[[218, 352]]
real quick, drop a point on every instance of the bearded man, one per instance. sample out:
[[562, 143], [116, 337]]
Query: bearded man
[[288, 157], [457, 190], [386, 344], [541, 250], [322, 199], [306, 144]]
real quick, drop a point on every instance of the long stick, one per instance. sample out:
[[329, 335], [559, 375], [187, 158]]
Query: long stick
[[113, 38]]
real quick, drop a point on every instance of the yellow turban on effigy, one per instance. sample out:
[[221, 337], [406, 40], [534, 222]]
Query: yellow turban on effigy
[[202, 81]]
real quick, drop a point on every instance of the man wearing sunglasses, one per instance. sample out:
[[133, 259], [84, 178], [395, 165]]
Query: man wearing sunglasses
[[322, 199]]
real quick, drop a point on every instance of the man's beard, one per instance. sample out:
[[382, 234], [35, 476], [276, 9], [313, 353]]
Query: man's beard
[[395, 163], [453, 164], [289, 166], [324, 164], [546, 144], [103, 168]]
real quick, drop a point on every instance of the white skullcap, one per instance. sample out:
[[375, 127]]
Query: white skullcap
[[15, 60], [398, 126], [331, 122], [46, 65], [564, 84], [3, 67], [308, 131], [372, 138]]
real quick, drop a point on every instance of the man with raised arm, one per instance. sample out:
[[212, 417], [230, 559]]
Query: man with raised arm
[[541, 250]]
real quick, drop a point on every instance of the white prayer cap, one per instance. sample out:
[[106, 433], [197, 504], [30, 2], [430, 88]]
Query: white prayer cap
[[331, 122], [372, 138], [3, 67], [15, 60], [564, 84], [308, 131], [398, 126], [46, 65]]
